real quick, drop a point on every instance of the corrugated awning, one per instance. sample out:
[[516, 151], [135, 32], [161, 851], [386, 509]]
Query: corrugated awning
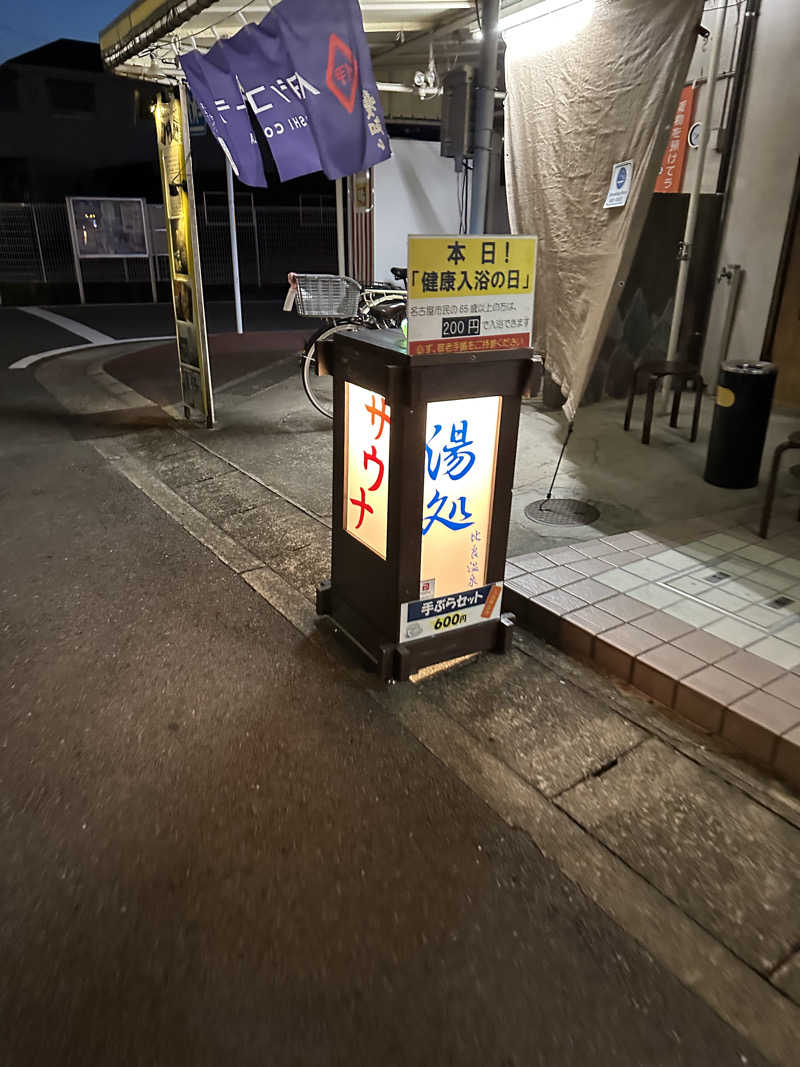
[[147, 37], [150, 32]]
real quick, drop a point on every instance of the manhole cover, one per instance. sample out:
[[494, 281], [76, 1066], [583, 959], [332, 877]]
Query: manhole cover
[[562, 512]]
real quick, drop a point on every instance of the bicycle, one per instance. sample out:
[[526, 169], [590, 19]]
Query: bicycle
[[345, 305]]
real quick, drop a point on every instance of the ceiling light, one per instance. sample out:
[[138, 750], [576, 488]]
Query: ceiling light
[[546, 25]]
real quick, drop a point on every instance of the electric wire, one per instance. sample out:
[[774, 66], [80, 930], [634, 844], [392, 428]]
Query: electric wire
[[223, 18]]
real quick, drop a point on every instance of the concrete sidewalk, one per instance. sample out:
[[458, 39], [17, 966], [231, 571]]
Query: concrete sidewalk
[[632, 486], [699, 628], [220, 846], [689, 850]]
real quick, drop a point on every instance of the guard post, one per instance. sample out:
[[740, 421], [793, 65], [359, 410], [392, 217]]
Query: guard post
[[424, 445]]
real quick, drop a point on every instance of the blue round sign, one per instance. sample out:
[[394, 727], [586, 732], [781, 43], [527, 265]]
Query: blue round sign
[[622, 177]]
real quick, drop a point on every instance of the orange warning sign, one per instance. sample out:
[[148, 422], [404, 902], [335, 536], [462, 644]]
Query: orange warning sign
[[491, 600], [670, 176]]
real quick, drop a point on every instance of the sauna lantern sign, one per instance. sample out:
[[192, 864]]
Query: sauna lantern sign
[[466, 295], [423, 463], [470, 294], [458, 489], [454, 524]]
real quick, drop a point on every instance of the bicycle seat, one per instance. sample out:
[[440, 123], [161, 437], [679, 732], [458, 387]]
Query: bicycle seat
[[400, 273]]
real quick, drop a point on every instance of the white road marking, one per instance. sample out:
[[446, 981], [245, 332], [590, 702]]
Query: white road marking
[[36, 357], [95, 336]]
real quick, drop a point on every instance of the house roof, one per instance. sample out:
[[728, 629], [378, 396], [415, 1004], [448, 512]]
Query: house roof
[[65, 54]]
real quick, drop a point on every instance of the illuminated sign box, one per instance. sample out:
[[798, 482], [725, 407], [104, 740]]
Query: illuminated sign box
[[460, 457], [424, 449]]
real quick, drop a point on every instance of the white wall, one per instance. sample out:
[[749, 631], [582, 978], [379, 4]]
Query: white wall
[[710, 19], [399, 106], [415, 192], [763, 179], [713, 156], [698, 70]]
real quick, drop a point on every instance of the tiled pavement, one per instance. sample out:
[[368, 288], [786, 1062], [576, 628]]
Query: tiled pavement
[[701, 615]]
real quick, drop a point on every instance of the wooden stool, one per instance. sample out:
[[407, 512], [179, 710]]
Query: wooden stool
[[683, 373], [793, 441]]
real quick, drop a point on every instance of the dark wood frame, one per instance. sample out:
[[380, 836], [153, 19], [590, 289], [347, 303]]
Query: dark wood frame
[[783, 270], [365, 592]]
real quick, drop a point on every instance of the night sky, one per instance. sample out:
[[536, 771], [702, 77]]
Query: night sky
[[26, 24]]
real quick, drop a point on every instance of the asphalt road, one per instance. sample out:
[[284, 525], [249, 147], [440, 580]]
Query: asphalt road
[[145, 320], [153, 372], [218, 849], [22, 334]]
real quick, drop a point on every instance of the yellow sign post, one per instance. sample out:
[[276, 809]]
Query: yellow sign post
[[184, 258], [470, 294]]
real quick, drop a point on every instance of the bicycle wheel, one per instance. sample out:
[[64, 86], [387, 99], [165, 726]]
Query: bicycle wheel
[[319, 388]]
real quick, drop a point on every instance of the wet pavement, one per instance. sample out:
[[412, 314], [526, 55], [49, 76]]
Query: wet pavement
[[223, 841]]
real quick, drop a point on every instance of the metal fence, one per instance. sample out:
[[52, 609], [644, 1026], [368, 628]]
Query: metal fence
[[35, 245]]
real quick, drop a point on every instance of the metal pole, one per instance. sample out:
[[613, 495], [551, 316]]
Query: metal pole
[[741, 76], [73, 236], [735, 276], [148, 239], [484, 115], [237, 294], [152, 268], [340, 225], [194, 244], [350, 242], [255, 240], [685, 252], [38, 241]]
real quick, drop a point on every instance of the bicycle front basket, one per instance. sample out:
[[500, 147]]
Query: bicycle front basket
[[327, 296]]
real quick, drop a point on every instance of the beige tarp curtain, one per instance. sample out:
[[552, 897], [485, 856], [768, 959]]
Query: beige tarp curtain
[[589, 86]]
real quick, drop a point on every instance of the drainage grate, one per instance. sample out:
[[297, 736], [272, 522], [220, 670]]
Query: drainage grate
[[717, 576], [562, 512]]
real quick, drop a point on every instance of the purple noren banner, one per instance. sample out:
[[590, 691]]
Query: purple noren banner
[[275, 97], [301, 81], [218, 96], [327, 38]]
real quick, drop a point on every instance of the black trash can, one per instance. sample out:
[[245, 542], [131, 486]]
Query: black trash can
[[739, 429]]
